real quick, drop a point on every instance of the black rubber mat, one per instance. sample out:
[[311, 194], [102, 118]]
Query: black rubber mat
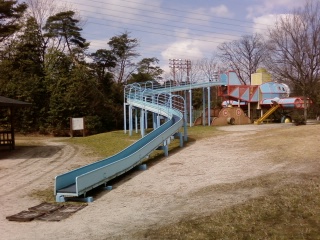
[[46, 207], [24, 216], [54, 217], [47, 212]]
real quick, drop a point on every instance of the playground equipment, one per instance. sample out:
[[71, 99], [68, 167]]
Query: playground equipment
[[243, 103], [231, 115], [267, 114], [224, 116], [171, 107], [260, 99], [202, 120], [169, 113]]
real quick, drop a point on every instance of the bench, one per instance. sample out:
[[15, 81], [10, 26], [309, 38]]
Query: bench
[[6, 139]]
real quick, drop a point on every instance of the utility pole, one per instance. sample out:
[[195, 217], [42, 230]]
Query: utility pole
[[180, 65]]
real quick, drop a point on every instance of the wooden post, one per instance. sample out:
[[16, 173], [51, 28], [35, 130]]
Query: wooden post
[[84, 127], [71, 127], [12, 128]]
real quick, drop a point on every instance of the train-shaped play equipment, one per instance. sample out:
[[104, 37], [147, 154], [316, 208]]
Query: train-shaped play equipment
[[257, 102]]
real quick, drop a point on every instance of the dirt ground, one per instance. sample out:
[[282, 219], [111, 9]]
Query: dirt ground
[[142, 199]]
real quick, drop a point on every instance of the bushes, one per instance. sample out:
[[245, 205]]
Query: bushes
[[298, 119]]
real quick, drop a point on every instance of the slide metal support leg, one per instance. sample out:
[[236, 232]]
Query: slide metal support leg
[[60, 198], [190, 106], [209, 107], [179, 135], [185, 126], [165, 149], [204, 106], [158, 121], [136, 119], [142, 167], [125, 118], [130, 120], [154, 120], [146, 119], [142, 129]]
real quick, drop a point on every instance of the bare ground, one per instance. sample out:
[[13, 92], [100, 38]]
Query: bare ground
[[166, 192]]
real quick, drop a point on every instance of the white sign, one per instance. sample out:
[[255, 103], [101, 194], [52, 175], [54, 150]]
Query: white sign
[[77, 124]]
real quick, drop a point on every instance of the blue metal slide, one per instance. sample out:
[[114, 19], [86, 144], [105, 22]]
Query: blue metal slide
[[171, 107]]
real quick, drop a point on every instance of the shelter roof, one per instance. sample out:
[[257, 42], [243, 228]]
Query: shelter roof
[[9, 102]]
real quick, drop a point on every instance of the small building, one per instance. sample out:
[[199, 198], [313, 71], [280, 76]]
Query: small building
[[7, 134]]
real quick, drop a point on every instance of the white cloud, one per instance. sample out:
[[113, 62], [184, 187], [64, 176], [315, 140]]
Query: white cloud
[[263, 23], [182, 48], [268, 6], [191, 49], [221, 11]]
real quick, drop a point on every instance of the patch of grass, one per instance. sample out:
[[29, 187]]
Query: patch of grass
[[44, 195], [202, 132], [287, 211], [110, 143], [106, 144]]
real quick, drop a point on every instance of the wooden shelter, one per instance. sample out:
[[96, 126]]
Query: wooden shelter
[[7, 135]]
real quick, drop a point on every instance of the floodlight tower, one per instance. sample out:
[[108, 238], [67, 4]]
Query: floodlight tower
[[180, 65]]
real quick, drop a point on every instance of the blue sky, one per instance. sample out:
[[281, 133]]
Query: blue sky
[[177, 28]]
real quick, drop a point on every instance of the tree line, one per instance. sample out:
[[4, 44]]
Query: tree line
[[45, 60]]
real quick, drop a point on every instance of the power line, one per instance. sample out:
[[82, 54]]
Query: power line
[[156, 30], [179, 10], [167, 25], [166, 14], [163, 34], [156, 51]]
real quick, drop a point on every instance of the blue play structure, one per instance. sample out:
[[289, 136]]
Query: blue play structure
[[169, 117]]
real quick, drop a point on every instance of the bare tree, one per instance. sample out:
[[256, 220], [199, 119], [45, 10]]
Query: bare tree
[[294, 48], [194, 72], [41, 10], [209, 68], [244, 56]]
